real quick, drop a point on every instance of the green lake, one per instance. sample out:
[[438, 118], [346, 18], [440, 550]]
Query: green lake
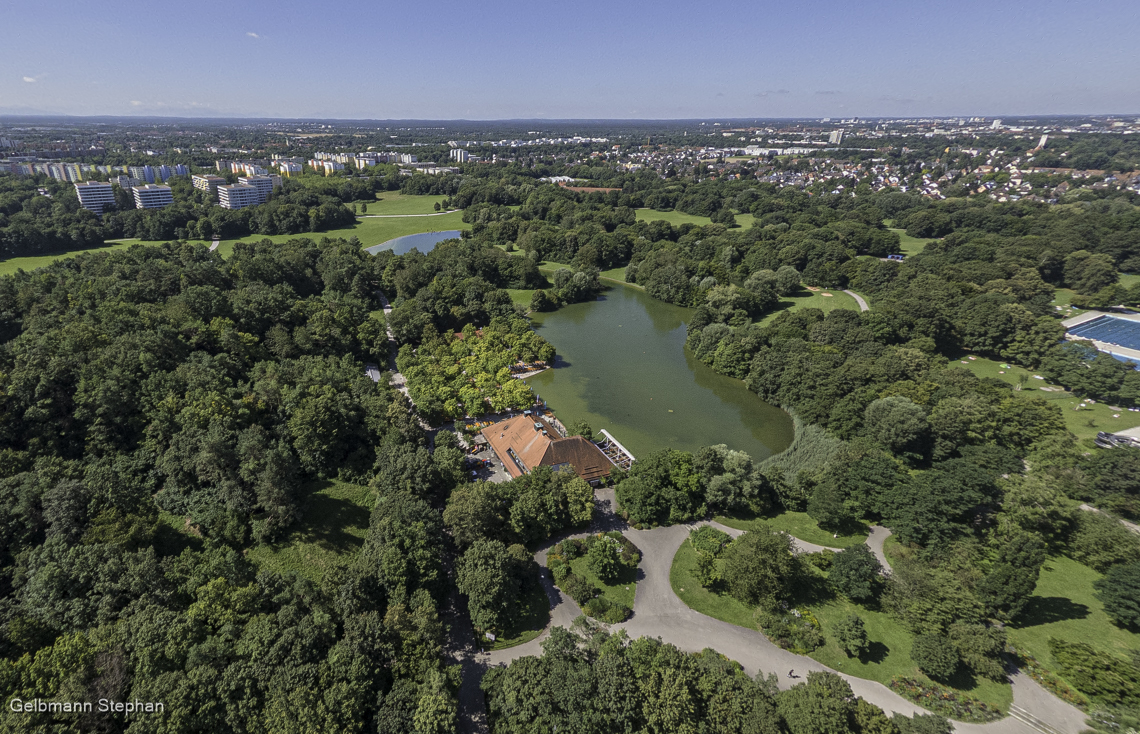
[[622, 365]]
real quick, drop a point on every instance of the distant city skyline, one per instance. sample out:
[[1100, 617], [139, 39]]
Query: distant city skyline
[[591, 60]]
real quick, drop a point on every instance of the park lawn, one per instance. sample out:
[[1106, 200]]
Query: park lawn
[[677, 218], [798, 525], [890, 652], [529, 624], [617, 274], [698, 598], [520, 296], [909, 245], [393, 202], [1129, 279], [11, 265], [369, 231], [1064, 605], [812, 299], [1082, 419], [622, 591], [332, 528], [891, 642]]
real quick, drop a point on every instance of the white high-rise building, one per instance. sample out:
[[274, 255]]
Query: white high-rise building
[[208, 182], [152, 196], [94, 196], [836, 137], [238, 196], [263, 184], [407, 158], [458, 154]]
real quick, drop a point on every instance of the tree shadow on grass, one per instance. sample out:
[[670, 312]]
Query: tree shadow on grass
[[1046, 609], [876, 653], [326, 520]]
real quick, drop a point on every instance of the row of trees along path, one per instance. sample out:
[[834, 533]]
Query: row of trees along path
[[658, 612]]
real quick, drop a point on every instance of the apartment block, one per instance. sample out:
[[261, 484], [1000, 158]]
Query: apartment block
[[263, 184], [208, 182], [238, 196], [94, 196], [152, 196]]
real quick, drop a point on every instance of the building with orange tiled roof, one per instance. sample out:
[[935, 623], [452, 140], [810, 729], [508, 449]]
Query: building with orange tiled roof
[[525, 442]]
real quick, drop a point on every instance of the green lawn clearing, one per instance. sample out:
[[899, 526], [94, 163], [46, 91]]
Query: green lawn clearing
[[11, 265], [677, 218], [332, 528], [1065, 606], [891, 642], [890, 652], [799, 525], [393, 202], [617, 274], [910, 245], [688, 588], [529, 624], [825, 300], [622, 591], [1083, 419], [521, 297], [369, 231]]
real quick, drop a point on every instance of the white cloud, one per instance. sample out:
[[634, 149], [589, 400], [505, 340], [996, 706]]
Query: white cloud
[[136, 103], [30, 79], [251, 34]]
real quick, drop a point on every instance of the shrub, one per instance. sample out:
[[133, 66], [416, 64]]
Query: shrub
[[852, 636], [760, 566], [1119, 590], [709, 540], [603, 558], [935, 655], [1096, 673], [945, 701], [578, 588], [855, 573], [792, 630], [1099, 541], [604, 610], [560, 572]]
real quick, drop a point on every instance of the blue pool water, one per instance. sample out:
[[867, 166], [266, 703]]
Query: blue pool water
[[1122, 332], [424, 242]]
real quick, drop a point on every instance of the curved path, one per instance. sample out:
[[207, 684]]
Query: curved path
[[658, 612], [859, 299], [875, 540]]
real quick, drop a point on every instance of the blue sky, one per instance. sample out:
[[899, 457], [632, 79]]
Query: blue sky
[[438, 59]]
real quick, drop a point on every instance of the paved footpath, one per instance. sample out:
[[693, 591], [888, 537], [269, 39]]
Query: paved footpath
[[658, 612]]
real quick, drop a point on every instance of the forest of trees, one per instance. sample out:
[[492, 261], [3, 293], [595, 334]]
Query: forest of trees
[[164, 411]]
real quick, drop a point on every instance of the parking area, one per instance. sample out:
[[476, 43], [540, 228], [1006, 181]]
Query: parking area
[[485, 466]]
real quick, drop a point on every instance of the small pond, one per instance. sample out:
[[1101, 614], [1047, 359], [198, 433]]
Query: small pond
[[423, 241]]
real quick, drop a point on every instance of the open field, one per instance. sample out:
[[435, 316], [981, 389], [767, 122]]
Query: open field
[[520, 296], [368, 231], [1083, 419], [910, 245], [617, 274], [677, 218], [393, 202], [812, 299], [1065, 606], [891, 643], [798, 525], [7, 267], [330, 532]]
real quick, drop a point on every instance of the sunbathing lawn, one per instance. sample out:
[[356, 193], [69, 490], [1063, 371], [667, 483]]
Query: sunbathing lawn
[[798, 525], [1064, 605], [825, 300], [677, 218], [331, 531], [1083, 419], [891, 642]]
